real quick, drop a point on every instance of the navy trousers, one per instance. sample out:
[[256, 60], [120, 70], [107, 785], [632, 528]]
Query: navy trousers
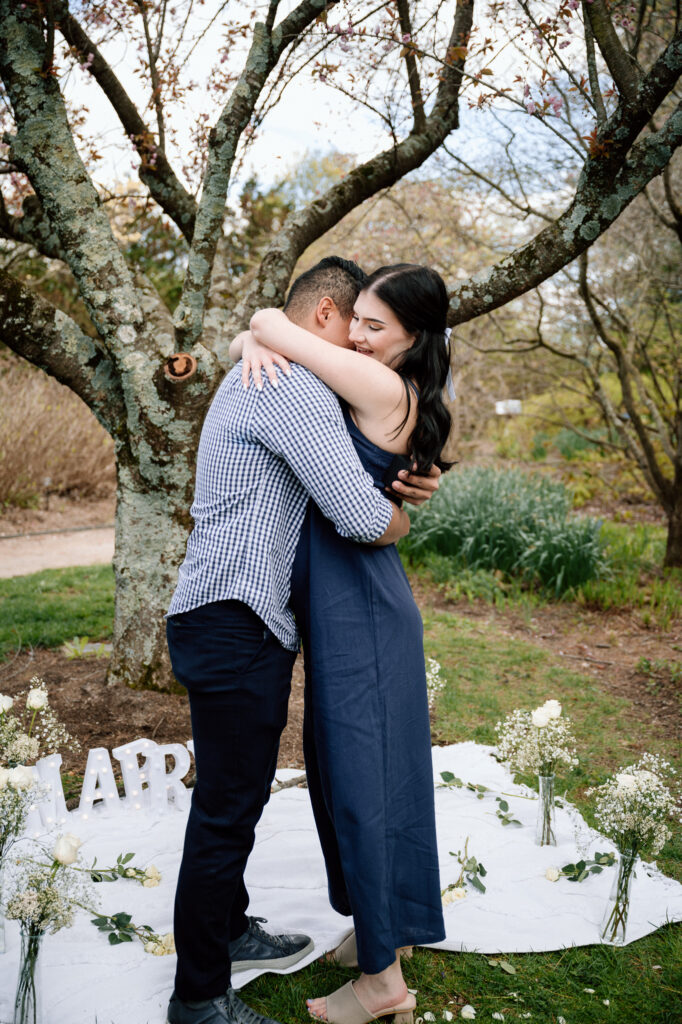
[[238, 677]]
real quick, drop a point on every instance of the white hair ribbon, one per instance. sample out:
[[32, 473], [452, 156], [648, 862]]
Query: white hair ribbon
[[449, 382]]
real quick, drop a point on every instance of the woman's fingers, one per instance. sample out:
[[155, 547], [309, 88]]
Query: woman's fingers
[[255, 365], [270, 370], [257, 376], [282, 363]]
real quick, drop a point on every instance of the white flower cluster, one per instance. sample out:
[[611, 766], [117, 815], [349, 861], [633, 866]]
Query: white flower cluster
[[434, 683], [44, 899], [19, 788], [634, 806], [161, 945], [536, 741], [34, 730]]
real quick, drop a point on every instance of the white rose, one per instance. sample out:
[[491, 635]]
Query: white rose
[[626, 782], [468, 1012], [540, 717], [66, 849], [21, 777], [36, 700], [553, 707], [4, 777], [458, 893], [552, 874], [5, 703]]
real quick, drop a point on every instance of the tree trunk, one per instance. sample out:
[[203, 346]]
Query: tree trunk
[[673, 549], [152, 526]]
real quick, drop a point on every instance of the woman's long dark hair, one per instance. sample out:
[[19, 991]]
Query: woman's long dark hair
[[419, 299]]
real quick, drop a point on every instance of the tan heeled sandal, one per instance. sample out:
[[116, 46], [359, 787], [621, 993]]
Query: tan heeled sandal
[[346, 953], [344, 1007]]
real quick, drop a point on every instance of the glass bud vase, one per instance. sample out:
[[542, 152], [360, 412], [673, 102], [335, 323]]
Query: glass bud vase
[[3, 942], [545, 826], [27, 1002], [615, 921]]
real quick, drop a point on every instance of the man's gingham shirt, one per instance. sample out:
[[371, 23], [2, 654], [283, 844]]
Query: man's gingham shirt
[[262, 454]]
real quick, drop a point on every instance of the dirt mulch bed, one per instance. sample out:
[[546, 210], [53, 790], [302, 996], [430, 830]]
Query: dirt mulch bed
[[107, 716]]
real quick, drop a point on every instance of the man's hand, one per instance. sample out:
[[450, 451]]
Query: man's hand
[[416, 489]]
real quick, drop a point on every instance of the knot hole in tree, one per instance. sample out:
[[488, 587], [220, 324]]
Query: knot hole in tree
[[180, 367]]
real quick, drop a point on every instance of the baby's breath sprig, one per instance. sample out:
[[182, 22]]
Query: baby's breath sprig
[[634, 806]]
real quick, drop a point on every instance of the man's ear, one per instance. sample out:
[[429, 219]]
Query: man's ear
[[326, 307]]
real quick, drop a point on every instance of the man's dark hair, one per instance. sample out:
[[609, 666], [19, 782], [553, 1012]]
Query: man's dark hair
[[341, 280]]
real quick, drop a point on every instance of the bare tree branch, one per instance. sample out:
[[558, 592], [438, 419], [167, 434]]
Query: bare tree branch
[[593, 77], [609, 181], [304, 226], [623, 68], [60, 180], [155, 170], [48, 338], [152, 55], [264, 54], [419, 117], [32, 228]]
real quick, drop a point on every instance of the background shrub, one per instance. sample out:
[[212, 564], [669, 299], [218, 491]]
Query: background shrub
[[49, 439], [510, 521]]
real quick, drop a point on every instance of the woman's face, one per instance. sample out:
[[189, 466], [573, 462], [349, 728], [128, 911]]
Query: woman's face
[[376, 331]]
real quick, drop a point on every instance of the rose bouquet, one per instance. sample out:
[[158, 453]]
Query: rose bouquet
[[538, 741], [633, 809]]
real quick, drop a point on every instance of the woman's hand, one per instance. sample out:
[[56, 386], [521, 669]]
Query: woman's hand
[[257, 357], [415, 490]]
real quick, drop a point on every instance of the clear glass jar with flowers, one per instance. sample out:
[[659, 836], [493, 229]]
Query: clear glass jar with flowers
[[633, 809], [538, 741]]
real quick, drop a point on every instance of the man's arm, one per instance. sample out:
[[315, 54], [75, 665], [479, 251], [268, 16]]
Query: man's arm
[[301, 422]]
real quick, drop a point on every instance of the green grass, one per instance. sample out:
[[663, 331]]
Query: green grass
[[47, 608]]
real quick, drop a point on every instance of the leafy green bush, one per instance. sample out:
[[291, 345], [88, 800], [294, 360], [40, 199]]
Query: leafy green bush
[[509, 521]]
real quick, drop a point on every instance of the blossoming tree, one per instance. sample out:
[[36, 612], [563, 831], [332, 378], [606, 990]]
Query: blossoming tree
[[596, 79]]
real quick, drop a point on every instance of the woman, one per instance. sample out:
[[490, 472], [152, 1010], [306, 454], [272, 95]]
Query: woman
[[366, 731]]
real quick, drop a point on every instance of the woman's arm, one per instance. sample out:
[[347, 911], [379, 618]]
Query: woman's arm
[[366, 384]]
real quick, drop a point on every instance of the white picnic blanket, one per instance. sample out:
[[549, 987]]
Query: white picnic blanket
[[85, 980]]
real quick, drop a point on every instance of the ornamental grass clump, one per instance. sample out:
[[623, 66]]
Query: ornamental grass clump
[[508, 521]]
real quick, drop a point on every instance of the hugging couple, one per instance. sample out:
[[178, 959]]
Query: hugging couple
[[296, 512]]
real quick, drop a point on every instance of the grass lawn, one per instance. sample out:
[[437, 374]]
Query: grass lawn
[[488, 674], [47, 608]]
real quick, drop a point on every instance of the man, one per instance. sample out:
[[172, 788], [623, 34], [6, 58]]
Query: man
[[233, 640]]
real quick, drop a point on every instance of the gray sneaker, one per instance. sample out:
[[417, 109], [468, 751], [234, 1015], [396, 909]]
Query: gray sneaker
[[227, 1009], [258, 949]]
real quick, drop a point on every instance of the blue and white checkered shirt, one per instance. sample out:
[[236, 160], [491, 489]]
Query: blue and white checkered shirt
[[262, 454]]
